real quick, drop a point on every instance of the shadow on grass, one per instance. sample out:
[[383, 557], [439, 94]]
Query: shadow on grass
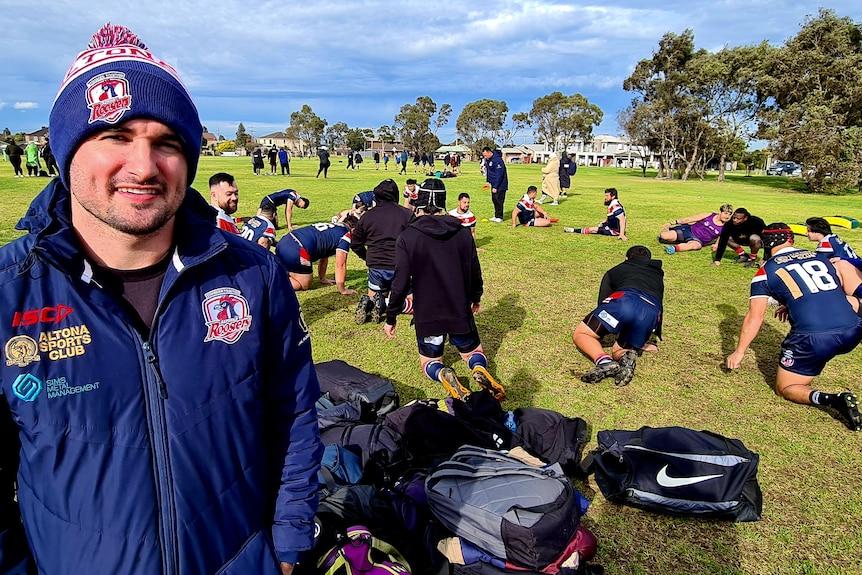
[[497, 321], [634, 541], [763, 346]]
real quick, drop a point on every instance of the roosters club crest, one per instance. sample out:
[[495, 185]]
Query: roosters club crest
[[108, 97], [227, 315]]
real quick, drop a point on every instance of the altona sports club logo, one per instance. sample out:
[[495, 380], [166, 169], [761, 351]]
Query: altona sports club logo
[[227, 315], [108, 97]]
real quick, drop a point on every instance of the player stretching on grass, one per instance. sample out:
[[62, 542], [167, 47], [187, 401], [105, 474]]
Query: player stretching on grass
[[822, 321]]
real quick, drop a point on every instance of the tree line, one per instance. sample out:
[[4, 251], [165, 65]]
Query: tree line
[[693, 109]]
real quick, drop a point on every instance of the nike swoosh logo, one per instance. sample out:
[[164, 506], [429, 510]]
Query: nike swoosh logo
[[666, 480]]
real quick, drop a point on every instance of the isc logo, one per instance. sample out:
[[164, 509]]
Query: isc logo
[[45, 315]]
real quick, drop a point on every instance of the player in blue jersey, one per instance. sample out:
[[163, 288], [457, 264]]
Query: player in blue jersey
[[615, 222], [260, 229], [823, 322], [317, 243], [288, 199], [828, 244]]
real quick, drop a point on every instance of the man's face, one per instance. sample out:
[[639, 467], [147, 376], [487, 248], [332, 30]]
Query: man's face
[[225, 196], [411, 188], [486, 154], [130, 178], [609, 197], [739, 218], [724, 217], [463, 205]]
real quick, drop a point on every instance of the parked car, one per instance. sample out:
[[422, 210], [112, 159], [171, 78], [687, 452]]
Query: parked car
[[783, 169]]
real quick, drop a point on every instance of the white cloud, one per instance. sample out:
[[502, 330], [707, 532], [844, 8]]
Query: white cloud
[[26, 105]]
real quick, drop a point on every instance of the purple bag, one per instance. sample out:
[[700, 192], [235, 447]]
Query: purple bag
[[362, 553]]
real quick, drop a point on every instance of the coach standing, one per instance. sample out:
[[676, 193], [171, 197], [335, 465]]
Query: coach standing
[[495, 174]]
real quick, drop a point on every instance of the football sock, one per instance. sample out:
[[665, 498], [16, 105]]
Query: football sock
[[477, 358], [821, 398], [739, 251], [604, 358], [407, 308], [432, 369]]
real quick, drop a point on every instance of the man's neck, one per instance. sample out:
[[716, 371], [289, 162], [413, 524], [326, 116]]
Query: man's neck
[[113, 249]]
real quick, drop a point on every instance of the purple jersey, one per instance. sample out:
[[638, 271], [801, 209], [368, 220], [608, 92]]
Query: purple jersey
[[321, 240], [832, 246], [706, 230], [810, 288]]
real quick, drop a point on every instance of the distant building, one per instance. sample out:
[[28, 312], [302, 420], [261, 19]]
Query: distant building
[[39, 136]]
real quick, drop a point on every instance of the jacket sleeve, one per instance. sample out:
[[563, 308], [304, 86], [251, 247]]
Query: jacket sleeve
[[357, 241], [477, 283], [15, 557], [606, 288], [400, 281], [290, 392], [722, 242]]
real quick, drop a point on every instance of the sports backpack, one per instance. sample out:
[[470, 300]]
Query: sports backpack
[[678, 471], [526, 515], [360, 553]]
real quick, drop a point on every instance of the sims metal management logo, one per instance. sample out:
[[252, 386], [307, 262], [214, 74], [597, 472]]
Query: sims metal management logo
[[27, 387]]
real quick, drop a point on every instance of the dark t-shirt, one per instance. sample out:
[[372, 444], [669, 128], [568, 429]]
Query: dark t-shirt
[[140, 289]]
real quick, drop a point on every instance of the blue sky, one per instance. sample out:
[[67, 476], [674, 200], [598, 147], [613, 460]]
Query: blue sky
[[358, 62]]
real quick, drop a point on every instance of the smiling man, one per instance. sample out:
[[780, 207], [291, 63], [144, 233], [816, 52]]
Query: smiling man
[[163, 422]]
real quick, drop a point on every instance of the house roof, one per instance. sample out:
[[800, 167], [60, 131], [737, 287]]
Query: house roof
[[274, 135]]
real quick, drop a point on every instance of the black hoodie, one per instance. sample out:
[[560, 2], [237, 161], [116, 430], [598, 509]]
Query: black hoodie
[[373, 238], [436, 256]]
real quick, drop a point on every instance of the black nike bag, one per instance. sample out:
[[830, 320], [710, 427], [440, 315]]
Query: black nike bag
[[345, 383], [678, 471]]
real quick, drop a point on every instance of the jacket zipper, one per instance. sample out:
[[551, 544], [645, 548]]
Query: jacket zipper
[[155, 395]]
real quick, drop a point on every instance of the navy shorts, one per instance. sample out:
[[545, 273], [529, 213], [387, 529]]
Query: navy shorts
[[606, 230], [807, 353], [380, 280], [432, 345], [294, 257], [684, 235], [630, 316]]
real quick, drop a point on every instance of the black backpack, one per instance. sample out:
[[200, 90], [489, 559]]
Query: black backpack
[[678, 471], [551, 436]]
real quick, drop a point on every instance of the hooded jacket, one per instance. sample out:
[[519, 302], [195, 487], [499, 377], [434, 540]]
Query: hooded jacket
[[373, 238], [194, 451], [436, 257]]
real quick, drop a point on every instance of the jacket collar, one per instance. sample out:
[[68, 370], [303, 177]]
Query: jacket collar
[[48, 221]]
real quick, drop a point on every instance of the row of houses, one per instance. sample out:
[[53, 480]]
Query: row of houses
[[604, 150]]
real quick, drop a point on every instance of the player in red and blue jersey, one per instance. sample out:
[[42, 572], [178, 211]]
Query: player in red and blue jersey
[[822, 319], [288, 199], [317, 243], [526, 210], [615, 222], [828, 244], [260, 229]]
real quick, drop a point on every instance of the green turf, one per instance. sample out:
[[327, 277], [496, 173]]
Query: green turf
[[539, 283]]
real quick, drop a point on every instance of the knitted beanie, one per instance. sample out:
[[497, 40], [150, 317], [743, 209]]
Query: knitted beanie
[[115, 80]]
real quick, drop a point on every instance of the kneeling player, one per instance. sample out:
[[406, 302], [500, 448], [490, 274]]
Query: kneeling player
[[823, 323], [287, 198], [317, 243], [630, 306], [260, 229]]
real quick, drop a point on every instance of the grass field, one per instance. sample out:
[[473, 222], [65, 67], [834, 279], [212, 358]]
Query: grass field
[[539, 283]]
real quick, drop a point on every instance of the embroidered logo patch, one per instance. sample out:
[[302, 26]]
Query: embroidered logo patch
[[787, 358], [108, 97], [21, 350], [227, 315]]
